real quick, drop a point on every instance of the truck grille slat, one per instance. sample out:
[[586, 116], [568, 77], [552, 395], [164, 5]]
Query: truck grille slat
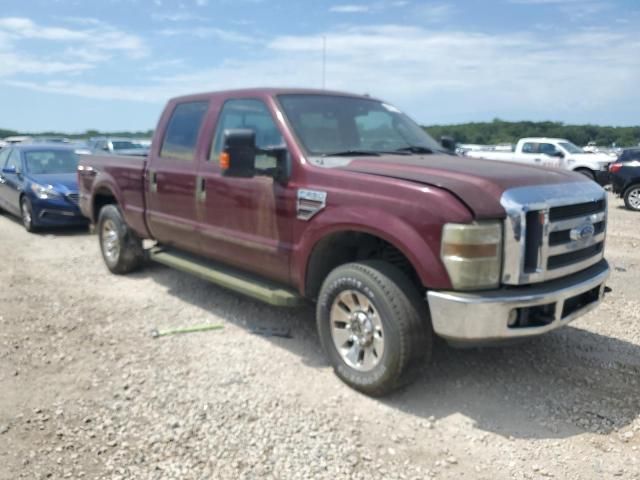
[[571, 211], [564, 259]]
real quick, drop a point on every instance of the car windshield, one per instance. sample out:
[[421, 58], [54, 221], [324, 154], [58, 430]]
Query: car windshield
[[333, 124], [51, 161], [570, 147], [125, 145]]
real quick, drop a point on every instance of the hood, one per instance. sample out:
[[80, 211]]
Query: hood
[[136, 152], [62, 182], [478, 183]]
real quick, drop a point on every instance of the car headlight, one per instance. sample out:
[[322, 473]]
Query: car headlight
[[44, 192], [472, 254]]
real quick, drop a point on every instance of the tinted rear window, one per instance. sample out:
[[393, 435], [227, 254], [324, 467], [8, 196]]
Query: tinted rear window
[[182, 132], [629, 155]]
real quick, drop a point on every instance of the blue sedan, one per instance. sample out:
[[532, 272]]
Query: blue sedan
[[39, 184]]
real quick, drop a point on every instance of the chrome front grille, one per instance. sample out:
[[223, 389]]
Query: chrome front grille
[[552, 231]]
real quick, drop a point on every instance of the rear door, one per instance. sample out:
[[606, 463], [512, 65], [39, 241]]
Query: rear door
[[4, 156], [171, 178], [13, 182], [245, 221]]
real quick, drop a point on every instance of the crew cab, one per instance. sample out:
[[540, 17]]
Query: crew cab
[[293, 196], [554, 153]]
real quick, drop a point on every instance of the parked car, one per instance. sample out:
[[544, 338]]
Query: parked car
[[625, 179], [118, 146], [555, 153], [629, 155], [39, 184], [287, 195]]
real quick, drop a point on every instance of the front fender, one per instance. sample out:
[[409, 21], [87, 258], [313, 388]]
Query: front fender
[[420, 248]]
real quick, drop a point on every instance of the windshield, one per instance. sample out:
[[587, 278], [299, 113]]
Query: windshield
[[51, 161], [570, 147], [125, 145], [330, 124]]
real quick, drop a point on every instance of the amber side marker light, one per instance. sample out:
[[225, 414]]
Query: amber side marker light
[[470, 251], [224, 161]]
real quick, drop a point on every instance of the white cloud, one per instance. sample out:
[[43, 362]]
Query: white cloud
[[349, 8], [209, 32], [96, 35], [433, 74]]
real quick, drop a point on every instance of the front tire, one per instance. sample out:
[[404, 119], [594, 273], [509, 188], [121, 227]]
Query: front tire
[[120, 246], [632, 198], [26, 213], [373, 326]]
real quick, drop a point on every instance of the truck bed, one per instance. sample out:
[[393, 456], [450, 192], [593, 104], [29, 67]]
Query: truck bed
[[124, 176]]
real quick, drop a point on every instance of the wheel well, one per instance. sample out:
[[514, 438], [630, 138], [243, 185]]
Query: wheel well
[[349, 246], [102, 198]]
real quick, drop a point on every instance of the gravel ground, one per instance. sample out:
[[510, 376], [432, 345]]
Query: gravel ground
[[86, 392]]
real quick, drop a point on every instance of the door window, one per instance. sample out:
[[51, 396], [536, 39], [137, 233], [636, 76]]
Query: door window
[[547, 148], [253, 115], [530, 147], [4, 154], [14, 160], [182, 131]]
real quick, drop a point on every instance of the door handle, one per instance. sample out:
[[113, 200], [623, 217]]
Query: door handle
[[153, 182], [536, 160], [201, 189]]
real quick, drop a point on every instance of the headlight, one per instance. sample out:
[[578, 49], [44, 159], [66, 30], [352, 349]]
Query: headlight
[[472, 254], [44, 192]]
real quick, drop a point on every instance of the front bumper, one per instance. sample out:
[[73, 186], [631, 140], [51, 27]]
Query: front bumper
[[56, 212], [485, 316]]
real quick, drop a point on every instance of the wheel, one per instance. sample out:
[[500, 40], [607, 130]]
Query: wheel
[[632, 197], [373, 326], [121, 248], [26, 213], [587, 173]]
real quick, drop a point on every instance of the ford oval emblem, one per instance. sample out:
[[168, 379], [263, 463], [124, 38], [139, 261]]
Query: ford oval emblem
[[583, 232]]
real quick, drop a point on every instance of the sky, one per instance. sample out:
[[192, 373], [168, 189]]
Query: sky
[[73, 65]]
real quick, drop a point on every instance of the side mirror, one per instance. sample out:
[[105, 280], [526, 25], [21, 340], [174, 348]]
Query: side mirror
[[10, 170], [449, 143], [238, 157], [558, 154]]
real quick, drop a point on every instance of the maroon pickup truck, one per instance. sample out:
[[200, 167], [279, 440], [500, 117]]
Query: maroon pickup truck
[[342, 200]]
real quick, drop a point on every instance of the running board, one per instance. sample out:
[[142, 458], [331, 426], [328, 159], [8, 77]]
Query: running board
[[240, 282]]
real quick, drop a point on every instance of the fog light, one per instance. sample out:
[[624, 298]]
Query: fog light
[[512, 321]]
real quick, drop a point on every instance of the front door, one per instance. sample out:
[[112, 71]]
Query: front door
[[171, 179], [245, 221]]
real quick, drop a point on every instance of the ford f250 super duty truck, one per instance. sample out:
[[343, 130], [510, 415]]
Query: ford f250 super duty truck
[[554, 153], [342, 200]]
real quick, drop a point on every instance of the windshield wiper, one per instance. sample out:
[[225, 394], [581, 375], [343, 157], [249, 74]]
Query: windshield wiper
[[415, 149], [352, 153]]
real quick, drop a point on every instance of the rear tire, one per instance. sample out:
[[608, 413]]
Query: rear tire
[[373, 326], [632, 198], [26, 214], [120, 246]]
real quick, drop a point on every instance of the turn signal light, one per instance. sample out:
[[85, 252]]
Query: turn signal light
[[224, 161]]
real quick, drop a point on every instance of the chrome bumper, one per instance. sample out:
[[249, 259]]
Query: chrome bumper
[[484, 316]]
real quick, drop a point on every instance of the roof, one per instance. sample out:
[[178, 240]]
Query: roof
[[270, 91], [28, 147], [543, 139]]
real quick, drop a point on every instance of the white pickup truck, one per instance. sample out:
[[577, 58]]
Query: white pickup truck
[[553, 153]]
